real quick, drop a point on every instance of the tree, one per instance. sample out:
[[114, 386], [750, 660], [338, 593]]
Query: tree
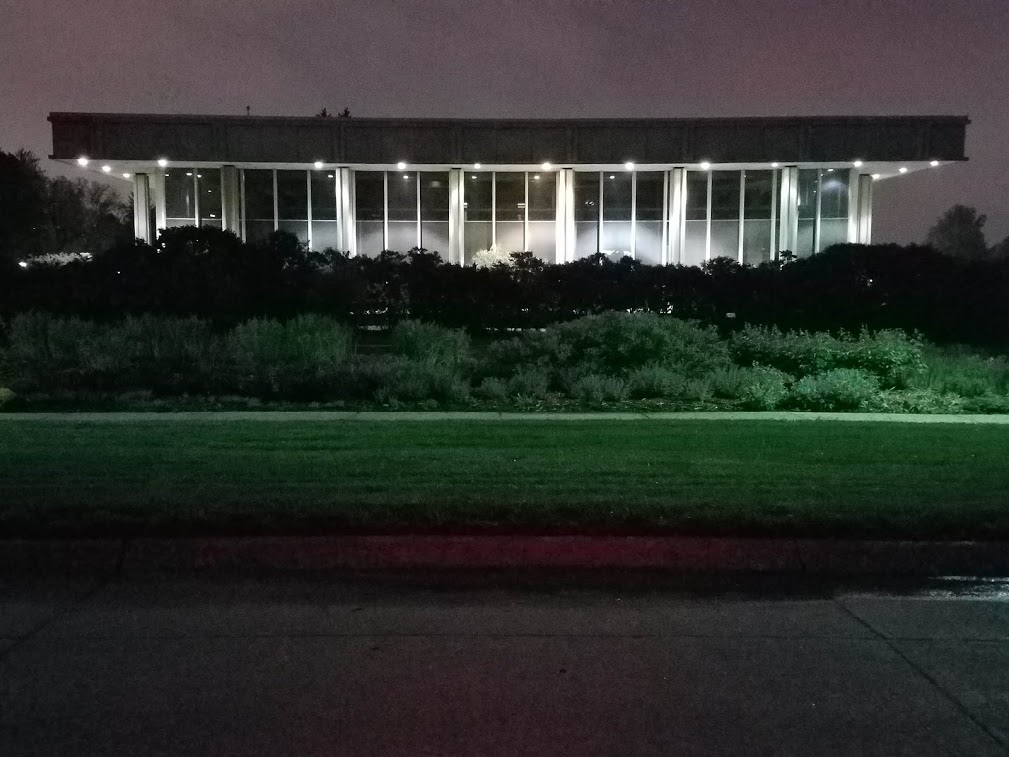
[[23, 195], [322, 114], [959, 232]]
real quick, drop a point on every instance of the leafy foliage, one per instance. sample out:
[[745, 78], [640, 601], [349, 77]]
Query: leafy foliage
[[837, 389]]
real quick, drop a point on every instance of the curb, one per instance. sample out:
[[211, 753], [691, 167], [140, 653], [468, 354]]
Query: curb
[[678, 554]]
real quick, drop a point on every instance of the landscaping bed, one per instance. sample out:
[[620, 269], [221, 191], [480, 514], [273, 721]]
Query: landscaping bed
[[207, 475]]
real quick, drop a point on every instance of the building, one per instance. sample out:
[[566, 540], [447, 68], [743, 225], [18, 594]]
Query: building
[[663, 191]]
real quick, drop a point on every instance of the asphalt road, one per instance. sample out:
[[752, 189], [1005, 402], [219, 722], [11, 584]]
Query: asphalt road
[[501, 665]]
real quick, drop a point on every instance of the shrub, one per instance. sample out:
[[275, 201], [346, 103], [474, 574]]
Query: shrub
[[614, 344], [529, 383], [596, 388], [6, 395], [956, 371], [430, 343], [305, 356], [838, 389], [398, 380], [655, 382], [915, 401], [492, 388], [891, 356], [755, 388]]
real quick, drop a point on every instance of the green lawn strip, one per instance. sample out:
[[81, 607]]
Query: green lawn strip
[[750, 477]]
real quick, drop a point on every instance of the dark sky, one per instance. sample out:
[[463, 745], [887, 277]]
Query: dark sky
[[529, 58]]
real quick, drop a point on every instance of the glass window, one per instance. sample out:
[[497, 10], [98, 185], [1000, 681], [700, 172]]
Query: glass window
[[180, 197], [807, 212], [586, 213], [258, 203], [617, 197], [208, 185], [292, 203], [649, 197], [369, 206], [759, 203], [725, 214], [324, 226], [510, 210], [696, 225], [479, 210], [834, 207], [542, 240], [434, 200], [403, 211]]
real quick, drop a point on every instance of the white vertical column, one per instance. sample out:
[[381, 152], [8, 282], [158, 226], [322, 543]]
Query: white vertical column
[[308, 215], [456, 217], [707, 225], [773, 252], [157, 182], [142, 208], [346, 212], [852, 205], [788, 232], [634, 215], [866, 187], [819, 208], [276, 200], [675, 215], [564, 225], [231, 199], [241, 207], [742, 214], [385, 211]]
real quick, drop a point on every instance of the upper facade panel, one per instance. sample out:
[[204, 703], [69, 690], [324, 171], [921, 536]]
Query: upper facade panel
[[246, 139]]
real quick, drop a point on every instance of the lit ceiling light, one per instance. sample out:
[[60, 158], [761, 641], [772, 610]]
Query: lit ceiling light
[[629, 165], [329, 176], [22, 263], [902, 169], [775, 164], [406, 176], [476, 166], [546, 165], [189, 173], [199, 176], [318, 164], [401, 165], [830, 170], [106, 169], [875, 177], [126, 176], [857, 163], [162, 162], [612, 176], [82, 161], [536, 177], [705, 165], [934, 163]]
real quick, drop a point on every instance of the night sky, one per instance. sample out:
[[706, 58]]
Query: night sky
[[533, 58]]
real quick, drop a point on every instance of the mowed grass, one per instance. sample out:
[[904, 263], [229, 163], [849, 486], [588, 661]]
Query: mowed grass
[[732, 477]]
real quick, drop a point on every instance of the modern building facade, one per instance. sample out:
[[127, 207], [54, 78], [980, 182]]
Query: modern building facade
[[664, 191]]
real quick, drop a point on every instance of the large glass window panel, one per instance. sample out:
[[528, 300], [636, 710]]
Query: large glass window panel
[[542, 210], [323, 196], [649, 197], [434, 200], [834, 208], [510, 210], [403, 211], [208, 186], [478, 209], [617, 201], [807, 211], [725, 214], [258, 203], [759, 203], [369, 207], [696, 224], [586, 213], [180, 197], [292, 203]]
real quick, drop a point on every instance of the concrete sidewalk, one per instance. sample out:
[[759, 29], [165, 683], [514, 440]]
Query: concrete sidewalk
[[427, 666], [324, 415]]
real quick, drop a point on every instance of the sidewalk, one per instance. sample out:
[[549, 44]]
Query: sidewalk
[[323, 415]]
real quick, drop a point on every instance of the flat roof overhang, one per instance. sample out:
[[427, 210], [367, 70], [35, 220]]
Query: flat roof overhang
[[140, 139]]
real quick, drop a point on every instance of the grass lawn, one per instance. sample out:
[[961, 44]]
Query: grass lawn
[[750, 477]]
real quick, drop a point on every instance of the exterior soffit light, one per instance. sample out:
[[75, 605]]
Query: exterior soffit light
[[902, 169], [126, 175], [318, 164], [82, 161], [401, 165], [546, 165], [775, 164], [106, 169], [476, 166], [705, 165], [857, 163], [162, 162], [934, 163], [875, 177], [629, 165]]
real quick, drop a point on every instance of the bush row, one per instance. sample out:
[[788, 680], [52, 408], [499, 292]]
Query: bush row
[[211, 274], [598, 359]]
